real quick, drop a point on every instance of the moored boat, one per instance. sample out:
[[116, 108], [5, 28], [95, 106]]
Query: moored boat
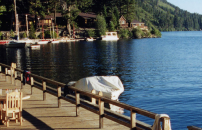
[[55, 41], [110, 36], [43, 41], [35, 46], [3, 42], [90, 39], [110, 86], [16, 44]]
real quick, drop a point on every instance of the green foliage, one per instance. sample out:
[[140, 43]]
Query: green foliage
[[91, 33], [114, 20], [147, 34], [137, 33], [156, 32], [111, 27], [55, 35], [154, 13], [105, 11], [24, 35], [101, 25], [1, 35], [11, 33], [47, 34], [124, 33], [32, 32]]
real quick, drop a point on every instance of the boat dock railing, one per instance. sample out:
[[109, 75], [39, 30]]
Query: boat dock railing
[[41, 83]]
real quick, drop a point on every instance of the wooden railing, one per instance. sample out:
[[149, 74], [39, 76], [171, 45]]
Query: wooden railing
[[99, 109], [193, 128]]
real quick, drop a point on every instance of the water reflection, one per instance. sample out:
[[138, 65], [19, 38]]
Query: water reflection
[[21, 56]]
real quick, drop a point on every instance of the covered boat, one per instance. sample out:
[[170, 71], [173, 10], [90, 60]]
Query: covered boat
[[111, 87]]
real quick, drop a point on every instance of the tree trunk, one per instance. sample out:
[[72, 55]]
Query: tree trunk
[[55, 14], [69, 21]]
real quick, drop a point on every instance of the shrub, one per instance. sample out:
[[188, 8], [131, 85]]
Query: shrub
[[137, 33], [1, 35], [156, 32], [32, 32], [11, 33], [91, 33], [23, 35], [101, 25], [47, 34], [124, 33]]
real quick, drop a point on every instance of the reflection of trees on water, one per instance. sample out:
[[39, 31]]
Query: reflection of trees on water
[[20, 56]]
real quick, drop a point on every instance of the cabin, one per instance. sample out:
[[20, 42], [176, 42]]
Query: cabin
[[122, 22], [87, 20], [48, 20], [141, 25]]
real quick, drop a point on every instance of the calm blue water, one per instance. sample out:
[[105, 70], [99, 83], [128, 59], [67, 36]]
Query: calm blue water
[[161, 75]]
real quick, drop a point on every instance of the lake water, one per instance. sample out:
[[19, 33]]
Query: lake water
[[162, 75]]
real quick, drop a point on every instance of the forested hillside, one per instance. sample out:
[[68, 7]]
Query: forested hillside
[[155, 13]]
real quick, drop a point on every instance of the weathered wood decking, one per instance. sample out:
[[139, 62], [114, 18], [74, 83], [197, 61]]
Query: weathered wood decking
[[39, 114]]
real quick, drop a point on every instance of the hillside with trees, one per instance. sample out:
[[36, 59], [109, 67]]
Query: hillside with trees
[[156, 14]]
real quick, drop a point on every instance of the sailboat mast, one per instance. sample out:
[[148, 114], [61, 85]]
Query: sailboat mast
[[16, 20]]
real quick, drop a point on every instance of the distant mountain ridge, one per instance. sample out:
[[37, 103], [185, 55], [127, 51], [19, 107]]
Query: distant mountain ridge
[[166, 16]]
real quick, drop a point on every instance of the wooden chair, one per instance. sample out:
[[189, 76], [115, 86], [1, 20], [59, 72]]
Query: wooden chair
[[13, 105]]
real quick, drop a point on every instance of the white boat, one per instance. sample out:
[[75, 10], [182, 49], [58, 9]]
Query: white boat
[[65, 39], [43, 41], [15, 44], [26, 40], [110, 36], [35, 46], [110, 86], [90, 39], [55, 41]]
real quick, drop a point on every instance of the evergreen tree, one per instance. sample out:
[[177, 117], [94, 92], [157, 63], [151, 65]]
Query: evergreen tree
[[111, 26], [32, 32], [36, 8], [101, 25]]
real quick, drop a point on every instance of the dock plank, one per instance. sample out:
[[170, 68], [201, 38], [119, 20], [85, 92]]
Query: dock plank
[[39, 114]]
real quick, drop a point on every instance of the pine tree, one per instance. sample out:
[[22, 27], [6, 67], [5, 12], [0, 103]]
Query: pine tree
[[101, 25]]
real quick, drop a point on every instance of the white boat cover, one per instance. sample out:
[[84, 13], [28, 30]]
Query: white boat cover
[[111, 86]]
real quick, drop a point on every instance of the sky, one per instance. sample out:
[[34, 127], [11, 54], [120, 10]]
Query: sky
[[192, 6]]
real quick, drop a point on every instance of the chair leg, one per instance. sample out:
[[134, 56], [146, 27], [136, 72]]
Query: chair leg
[[16, 118], [20, 117], [7, 121]]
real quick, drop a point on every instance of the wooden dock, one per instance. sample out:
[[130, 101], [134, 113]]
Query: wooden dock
[[48, 108], [39, 114]]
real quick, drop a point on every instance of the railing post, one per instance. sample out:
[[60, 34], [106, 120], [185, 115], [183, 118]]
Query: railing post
[[6, 74], [15, 76], [101, 111], [165, 125], [59, 96], [44, 90], [0, 72], [77, 95], [32, 84], [132, 120], [21, 79], [11, 73], [93, 100]]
